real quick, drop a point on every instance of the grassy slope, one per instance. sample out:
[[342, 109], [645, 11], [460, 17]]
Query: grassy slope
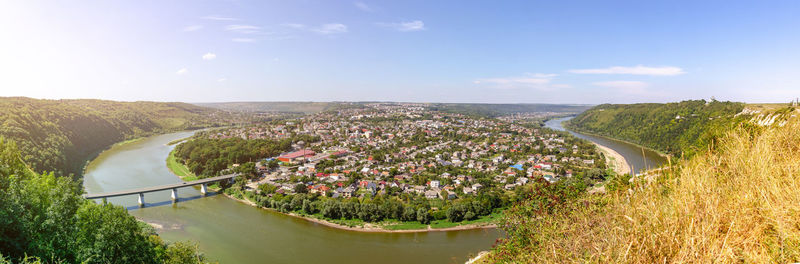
[[738, 203], [179, 169]]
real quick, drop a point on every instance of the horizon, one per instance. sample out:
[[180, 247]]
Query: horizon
[[579, 53], [397, 102]]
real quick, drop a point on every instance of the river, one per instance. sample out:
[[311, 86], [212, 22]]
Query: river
[[231, 232], [637, 157]]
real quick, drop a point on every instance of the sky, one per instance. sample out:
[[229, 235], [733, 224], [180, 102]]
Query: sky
[[577, 52]]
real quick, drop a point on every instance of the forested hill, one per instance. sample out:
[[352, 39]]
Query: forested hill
[[673, 128], [59, 135]]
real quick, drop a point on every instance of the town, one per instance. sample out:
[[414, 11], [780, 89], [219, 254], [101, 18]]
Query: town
[[408, 151]]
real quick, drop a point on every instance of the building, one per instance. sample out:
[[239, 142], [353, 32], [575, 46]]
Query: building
[[297, 155]]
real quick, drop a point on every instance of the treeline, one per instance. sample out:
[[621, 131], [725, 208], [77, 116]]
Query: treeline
[[402, 207], [206, 157], [59, 135], [673, 128], [44, 217]]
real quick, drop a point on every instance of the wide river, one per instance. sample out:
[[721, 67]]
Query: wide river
[[637, 157], [231, 232]]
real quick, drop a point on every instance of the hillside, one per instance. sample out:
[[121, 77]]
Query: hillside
[[59, 135], [44, 217], [674, 128], [734, 203]]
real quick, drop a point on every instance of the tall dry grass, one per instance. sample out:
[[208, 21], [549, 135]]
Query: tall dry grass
[[738, 203]]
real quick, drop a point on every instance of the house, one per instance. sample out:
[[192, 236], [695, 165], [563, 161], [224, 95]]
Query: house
[[434, 184], [431, 194]]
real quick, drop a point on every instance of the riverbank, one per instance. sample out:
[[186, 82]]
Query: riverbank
[[368, 227], [615, 160], [662, 154], [178, 168]]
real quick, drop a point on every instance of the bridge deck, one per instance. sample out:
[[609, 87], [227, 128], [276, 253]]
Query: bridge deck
[[157, 188]]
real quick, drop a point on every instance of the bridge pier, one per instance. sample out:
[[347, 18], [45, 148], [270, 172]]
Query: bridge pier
[[141, 199], [204, 189], [174, 194], [104, 200]]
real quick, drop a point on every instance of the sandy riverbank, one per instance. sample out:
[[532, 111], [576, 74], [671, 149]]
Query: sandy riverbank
[[615, 160], [370, 228]]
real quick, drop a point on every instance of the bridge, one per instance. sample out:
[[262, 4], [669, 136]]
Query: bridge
[[141, 191]]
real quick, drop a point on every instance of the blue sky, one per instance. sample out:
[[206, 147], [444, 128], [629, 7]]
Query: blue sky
[[420, 51]]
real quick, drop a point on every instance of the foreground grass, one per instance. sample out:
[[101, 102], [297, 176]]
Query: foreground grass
[[737, 203], [177, 168]]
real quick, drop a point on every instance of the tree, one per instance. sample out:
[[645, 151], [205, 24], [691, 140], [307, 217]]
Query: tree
[[44, 216], [423, 216], [300, 188]]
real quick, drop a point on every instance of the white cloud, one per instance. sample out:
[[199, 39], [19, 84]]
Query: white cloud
[[363, 7], [325, 29], [219, 18], [192, 28], [333, 28], [537, 81], [244, 29], [243, 40], [294, 25], [209, 56], [630, 87], [416, 25], [636, 70], [223, 79], [182, 71]]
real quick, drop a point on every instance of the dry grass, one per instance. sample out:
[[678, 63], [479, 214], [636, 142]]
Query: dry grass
[[739, 203]]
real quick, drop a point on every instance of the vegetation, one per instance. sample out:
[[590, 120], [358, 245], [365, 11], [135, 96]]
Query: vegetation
[[179, 169], [404, 211], [44, 218], [60, 135], [735, 203], [674, 128], [207, 157]]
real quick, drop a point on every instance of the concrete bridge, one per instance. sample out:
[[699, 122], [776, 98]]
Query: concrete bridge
[[141, 191]]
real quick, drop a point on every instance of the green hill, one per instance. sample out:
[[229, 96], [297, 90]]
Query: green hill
[[60, 135], [673, 128]]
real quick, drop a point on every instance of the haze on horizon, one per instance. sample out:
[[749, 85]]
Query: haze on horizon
[[581, 52]]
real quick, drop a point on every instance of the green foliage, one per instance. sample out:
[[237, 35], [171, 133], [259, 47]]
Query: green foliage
[[59, 135], [673, 128], [207, 157], [45, 217], [523, 221]]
